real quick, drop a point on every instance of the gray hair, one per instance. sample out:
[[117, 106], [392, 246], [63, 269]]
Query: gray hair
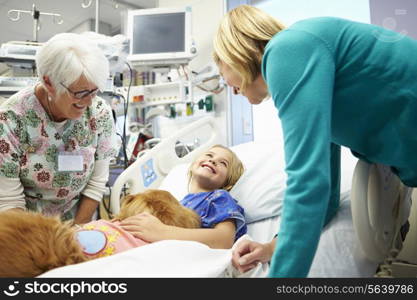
[[67, 56]]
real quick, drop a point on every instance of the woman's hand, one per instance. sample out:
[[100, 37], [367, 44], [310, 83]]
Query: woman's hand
[[248, 254], [146, 227]]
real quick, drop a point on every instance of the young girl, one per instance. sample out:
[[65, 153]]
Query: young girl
[[211, 175]]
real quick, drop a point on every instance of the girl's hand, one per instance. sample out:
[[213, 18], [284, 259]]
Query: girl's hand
[[146, 227]]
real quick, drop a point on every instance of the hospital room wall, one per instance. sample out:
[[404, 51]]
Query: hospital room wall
[[205, 17], [399, 15]]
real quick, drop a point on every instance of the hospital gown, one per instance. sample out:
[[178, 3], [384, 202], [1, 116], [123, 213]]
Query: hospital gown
[[215, 207]]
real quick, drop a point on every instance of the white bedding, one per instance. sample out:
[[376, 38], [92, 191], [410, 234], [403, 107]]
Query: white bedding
[[160, 259], [338, 255]]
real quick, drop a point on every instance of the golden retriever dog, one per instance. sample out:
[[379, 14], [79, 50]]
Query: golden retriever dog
[[32, 243]]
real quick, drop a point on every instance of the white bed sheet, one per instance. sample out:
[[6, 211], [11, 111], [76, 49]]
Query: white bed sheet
[[169, 258], [338, 255]]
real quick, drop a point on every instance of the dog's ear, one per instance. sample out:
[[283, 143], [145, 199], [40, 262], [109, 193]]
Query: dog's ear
[[132, 205], [127, 199]]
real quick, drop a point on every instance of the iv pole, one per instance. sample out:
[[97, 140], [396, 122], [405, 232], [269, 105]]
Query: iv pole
[[86, 4], [36, 14]]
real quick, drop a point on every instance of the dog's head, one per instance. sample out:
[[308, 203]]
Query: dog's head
[[35, 244], [162, 205]]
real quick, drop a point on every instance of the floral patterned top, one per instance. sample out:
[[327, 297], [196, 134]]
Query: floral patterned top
[[30, 143]]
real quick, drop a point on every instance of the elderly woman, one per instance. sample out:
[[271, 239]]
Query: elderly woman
[[334, 82], [56, 138]]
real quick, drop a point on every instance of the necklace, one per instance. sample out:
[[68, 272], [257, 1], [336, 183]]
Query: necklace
[[48, 108], [41, 93]]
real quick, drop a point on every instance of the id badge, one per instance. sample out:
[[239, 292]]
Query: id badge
[[70, 162]]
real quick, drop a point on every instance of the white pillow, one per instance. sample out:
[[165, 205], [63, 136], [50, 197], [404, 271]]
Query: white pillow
[[176, 181], [259, 191]]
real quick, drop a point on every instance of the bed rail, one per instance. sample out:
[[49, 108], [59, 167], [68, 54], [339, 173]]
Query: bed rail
[[149, 169]]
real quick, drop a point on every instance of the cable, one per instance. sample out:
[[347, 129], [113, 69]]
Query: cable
[[185, 72], [126, 109], [107, 206], [123, 136], [124, 149]]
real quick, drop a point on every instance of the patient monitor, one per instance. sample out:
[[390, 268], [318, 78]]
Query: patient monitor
[[160, 36], [380, 206]]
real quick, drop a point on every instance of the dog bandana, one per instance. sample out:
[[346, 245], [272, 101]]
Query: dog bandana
[[92, 241]]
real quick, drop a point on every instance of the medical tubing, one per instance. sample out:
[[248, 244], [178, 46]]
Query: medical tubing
[[126, 109]]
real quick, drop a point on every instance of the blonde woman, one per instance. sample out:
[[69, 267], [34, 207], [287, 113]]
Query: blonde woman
[[56, 137], [212, 175], [334, 83]]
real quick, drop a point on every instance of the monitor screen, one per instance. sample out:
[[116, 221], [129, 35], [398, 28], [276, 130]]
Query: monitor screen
[[160, 34]]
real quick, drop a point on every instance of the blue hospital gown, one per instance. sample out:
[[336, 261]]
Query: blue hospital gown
[[215, 207]]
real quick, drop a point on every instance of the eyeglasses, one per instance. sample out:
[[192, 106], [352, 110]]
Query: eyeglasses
[[214, 84], [81, 94]]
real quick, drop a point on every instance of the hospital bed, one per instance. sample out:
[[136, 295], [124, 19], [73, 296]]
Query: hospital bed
[[260, 191]]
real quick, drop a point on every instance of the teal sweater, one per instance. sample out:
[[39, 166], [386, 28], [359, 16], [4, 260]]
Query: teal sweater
[[336, 82]]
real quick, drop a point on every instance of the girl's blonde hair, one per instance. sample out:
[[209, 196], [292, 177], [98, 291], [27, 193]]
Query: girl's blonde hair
[[234, 171], [241, 39]]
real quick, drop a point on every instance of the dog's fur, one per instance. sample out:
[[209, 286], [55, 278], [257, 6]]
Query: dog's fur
[[31, 244], [162, 205]]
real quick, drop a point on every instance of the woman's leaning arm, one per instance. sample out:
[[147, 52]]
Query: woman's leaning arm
[[96, 186], [302, 88]]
